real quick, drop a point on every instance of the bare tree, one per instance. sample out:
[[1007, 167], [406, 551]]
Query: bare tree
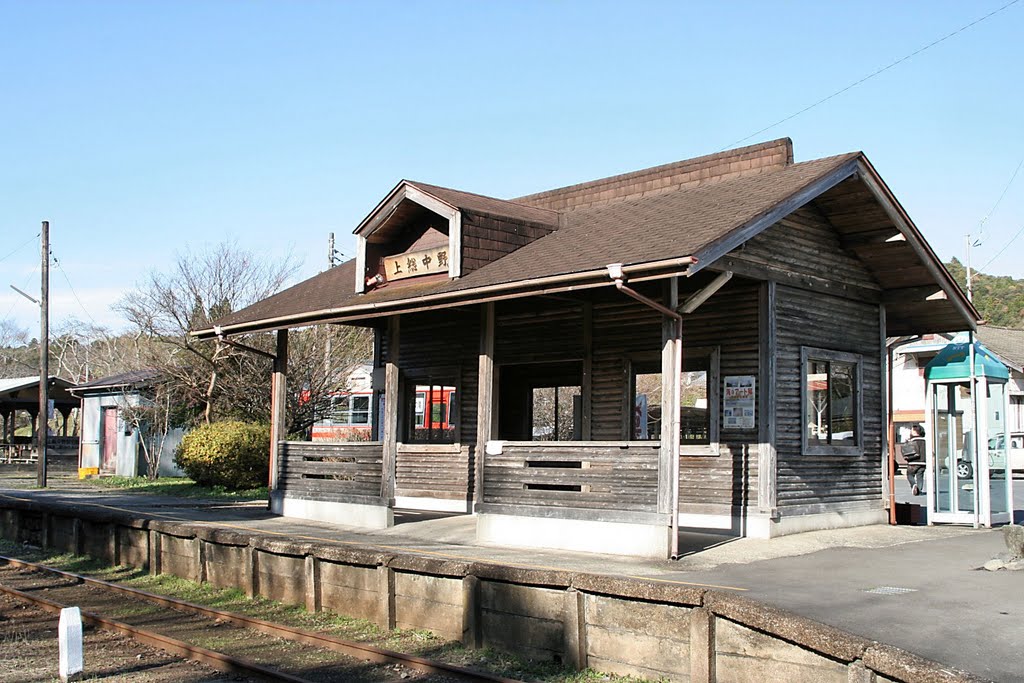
[[153, 417]]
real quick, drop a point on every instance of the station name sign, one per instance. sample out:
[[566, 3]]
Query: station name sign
[[416, 263]]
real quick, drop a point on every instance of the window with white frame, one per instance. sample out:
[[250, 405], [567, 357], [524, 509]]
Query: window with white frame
[[831, 402], [350, 410]]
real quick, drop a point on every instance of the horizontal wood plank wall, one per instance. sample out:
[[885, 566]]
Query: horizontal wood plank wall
[[805, 243], [822, 482], [447, 339], [336, 472], [488, 238], [538, 330], [612, 476], [729, 320]]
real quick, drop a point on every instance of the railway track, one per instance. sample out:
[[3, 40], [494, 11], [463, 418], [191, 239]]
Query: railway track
[[14, 571]]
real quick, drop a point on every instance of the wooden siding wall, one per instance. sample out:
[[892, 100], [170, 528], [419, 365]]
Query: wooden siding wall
[[809, 483], [487, 238], [448, 340], [339, 472], [708, 484], [623, 328]]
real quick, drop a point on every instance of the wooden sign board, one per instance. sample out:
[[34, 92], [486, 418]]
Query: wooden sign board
[[416, 263]]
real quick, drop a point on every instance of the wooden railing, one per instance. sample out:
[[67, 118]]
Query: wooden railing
[[592, 475], [338, 472]]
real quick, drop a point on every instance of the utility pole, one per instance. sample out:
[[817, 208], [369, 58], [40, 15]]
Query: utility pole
[[42, 421], [332, 253], [970, 286]]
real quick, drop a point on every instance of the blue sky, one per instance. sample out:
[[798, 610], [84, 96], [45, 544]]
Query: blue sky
[[140, 129]]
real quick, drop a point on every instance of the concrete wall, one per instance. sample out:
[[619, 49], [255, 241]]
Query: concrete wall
[[612, 624]]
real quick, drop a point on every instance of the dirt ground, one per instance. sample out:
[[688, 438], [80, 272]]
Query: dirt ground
[[29, 653]]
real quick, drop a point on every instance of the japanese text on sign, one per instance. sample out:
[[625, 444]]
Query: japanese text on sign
[[416, 263]]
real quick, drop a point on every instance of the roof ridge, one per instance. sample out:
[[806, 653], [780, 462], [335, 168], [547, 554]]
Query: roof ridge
[[776, 153], [482, 196]]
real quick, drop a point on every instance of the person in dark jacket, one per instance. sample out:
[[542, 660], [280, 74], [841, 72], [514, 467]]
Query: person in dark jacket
[[913, 452]]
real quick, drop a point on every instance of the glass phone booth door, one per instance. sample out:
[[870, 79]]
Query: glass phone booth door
[[950, 469], [951, 475]]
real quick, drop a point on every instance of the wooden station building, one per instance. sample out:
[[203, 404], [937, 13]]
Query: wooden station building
[[695, 345]]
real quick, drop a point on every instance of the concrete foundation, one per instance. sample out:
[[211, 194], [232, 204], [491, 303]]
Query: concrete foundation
[[614, 538], [765, 527], [433, 504], [349, 514]]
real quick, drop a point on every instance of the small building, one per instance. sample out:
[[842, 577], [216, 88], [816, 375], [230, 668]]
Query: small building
[[21, 394], [694, 345], [110, 439]]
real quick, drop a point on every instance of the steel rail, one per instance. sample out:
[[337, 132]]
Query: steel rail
[[213, 659], [358, 650]]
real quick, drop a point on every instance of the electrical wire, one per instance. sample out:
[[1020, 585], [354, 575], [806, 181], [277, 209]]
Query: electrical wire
[[873, 74], [56, 262], [998, 201], [25, 244], [1000, 252]]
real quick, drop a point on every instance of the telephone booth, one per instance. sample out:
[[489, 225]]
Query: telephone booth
[[968, 478]]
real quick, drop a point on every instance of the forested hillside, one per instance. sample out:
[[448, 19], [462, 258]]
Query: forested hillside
[[999, 298]]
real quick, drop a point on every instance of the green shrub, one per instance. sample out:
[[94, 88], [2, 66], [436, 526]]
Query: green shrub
[[231, 454]]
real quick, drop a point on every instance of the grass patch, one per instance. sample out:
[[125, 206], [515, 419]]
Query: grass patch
[[416, 642], [176, 486]]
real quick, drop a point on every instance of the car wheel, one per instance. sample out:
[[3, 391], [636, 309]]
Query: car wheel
[[964, 470]]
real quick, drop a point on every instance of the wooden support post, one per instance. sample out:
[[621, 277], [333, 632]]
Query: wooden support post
[[391, 403], [485, 399], [200, 560], [889, 428], [250, 575], [278, 403], [154, 552], [766, 455], [671, 361], [587, 388]]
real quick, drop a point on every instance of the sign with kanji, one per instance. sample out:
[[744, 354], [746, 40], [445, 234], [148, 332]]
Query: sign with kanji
[[416, 263]]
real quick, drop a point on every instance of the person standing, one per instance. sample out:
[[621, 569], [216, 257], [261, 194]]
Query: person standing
[[913, 452]]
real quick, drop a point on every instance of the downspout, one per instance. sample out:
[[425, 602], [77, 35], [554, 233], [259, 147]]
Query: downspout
[[616, 274], [974, 428]]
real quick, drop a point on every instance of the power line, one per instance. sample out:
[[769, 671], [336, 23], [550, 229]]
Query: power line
[[29, 241], [1005, 247], [998, 201], [56, 262], [874, 73]]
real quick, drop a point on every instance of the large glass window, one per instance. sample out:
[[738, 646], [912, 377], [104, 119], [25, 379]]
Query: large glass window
[[831, 401], [554, 413], [698, 415], [432, 413]]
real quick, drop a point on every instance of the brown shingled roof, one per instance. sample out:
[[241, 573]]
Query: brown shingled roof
[[639, 230], [489, 206]]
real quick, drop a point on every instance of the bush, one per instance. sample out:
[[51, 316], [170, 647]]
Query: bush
[[235, 455]]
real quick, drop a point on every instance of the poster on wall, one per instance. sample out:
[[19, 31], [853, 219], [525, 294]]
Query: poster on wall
[[738, 402]]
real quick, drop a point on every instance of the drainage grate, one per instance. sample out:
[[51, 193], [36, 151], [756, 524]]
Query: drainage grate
[[890, 590]]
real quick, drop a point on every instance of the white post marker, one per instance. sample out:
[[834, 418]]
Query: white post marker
[[70, 636]]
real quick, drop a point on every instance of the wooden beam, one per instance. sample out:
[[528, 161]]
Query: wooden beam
[[929, 259], [391, 404], [485, 399], [697, 298], [910, 295], [767, 459], [278, 403], [587, 387], [873, 237], [746, 267]]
